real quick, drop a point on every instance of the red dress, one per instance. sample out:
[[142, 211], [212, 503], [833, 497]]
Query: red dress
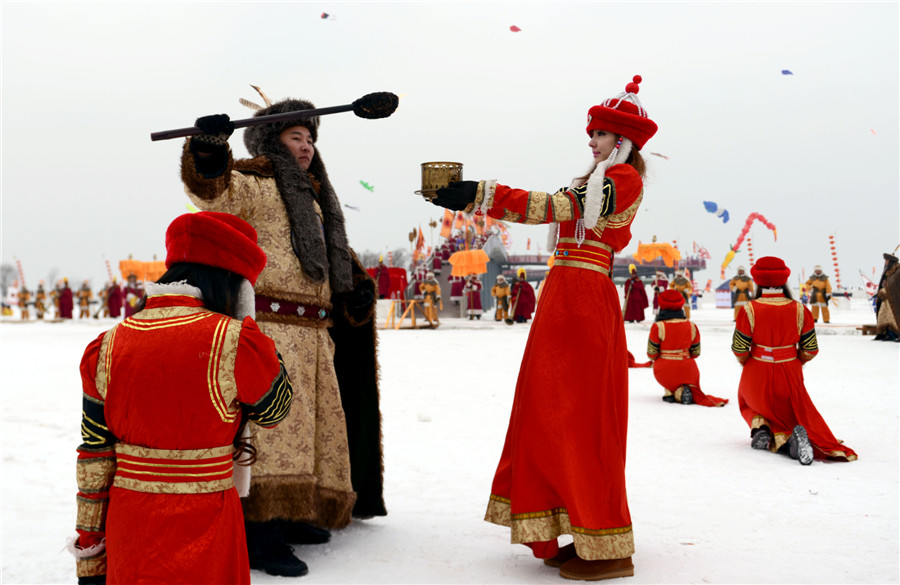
[[673, 346], [562, 470], [635, 299], [164, 393], [114, 301], [66, 303], [773, 337]]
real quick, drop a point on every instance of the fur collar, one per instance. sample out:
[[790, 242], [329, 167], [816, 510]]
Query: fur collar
[[246, 305]]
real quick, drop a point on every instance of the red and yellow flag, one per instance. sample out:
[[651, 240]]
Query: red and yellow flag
[[420, 242]]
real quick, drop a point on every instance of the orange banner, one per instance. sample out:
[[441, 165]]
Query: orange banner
[[447, 224]]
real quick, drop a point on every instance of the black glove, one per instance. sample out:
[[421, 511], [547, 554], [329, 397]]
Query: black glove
[[219, 125], [210, 149], [92, 580], [456, 196]]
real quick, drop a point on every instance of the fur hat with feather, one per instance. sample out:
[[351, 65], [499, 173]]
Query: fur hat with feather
[[299, 189]]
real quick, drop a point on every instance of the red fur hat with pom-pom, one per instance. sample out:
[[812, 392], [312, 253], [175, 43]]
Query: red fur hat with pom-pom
[[624, 115]]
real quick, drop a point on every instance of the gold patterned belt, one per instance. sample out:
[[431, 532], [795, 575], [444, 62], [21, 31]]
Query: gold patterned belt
[[777, 355], [174, 471], [590, 255]]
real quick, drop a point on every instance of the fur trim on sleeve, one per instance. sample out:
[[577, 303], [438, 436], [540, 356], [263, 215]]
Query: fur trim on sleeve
[[84, 553], [199, 185]]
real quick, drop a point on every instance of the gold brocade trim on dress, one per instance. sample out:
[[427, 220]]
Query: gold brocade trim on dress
[[174, 471], [221, 379], [593, 243], [103, 362], [585, 265], [591, 543], [90, 514]]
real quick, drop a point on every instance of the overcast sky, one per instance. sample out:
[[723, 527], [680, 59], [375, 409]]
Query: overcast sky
[[84, 84]]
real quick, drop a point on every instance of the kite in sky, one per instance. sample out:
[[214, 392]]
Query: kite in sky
[[351, 207], [326, 16], [514, 28], [714, 208], [367, 186], [659, 155], [787, 72]]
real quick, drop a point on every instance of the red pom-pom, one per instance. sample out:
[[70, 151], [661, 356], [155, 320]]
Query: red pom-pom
[[633, 86]]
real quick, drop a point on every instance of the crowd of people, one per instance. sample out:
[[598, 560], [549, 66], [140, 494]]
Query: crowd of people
[[112, 300]]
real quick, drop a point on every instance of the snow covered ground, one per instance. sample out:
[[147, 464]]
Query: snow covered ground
[[706, 508]]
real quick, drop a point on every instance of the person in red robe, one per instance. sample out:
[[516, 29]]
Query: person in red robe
[[383, 279], [114, 299], [635, 298], [562, 469], [673, 347], [166, 395], [66, 301], [774, 336], [522, 296], [472, 294]]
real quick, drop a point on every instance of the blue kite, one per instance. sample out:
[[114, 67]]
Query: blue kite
[[787, 72], [713, 208]]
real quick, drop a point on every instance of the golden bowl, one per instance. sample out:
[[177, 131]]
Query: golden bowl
[[438, 174]]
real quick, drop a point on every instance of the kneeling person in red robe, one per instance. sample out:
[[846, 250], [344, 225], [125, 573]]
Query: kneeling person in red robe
[[674, 345], [774, 336], [167, 393]]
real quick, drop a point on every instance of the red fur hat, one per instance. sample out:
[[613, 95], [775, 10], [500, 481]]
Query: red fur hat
[[670, 299], [215, 239], [770, 272], [623, 115]]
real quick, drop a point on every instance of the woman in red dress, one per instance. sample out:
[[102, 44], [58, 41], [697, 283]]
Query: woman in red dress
[[774, 336], [674, 345], [165, 395], [562, 470]]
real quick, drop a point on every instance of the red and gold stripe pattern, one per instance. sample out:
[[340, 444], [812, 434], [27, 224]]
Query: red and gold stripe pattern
[[774, 355], [174, 471], [674, 354], [590, 255]]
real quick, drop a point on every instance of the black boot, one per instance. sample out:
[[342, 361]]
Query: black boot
[[800, 447], [687, 397], [761, 438], [303, 533], [269, 552]]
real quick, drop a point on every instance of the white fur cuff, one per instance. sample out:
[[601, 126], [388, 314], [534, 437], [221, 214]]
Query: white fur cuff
[[84, 553]]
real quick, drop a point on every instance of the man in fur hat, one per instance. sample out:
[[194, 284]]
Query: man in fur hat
[[741, 290], [314, 298]]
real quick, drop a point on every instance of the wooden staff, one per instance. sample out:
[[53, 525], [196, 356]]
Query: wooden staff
[[371, 106]]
